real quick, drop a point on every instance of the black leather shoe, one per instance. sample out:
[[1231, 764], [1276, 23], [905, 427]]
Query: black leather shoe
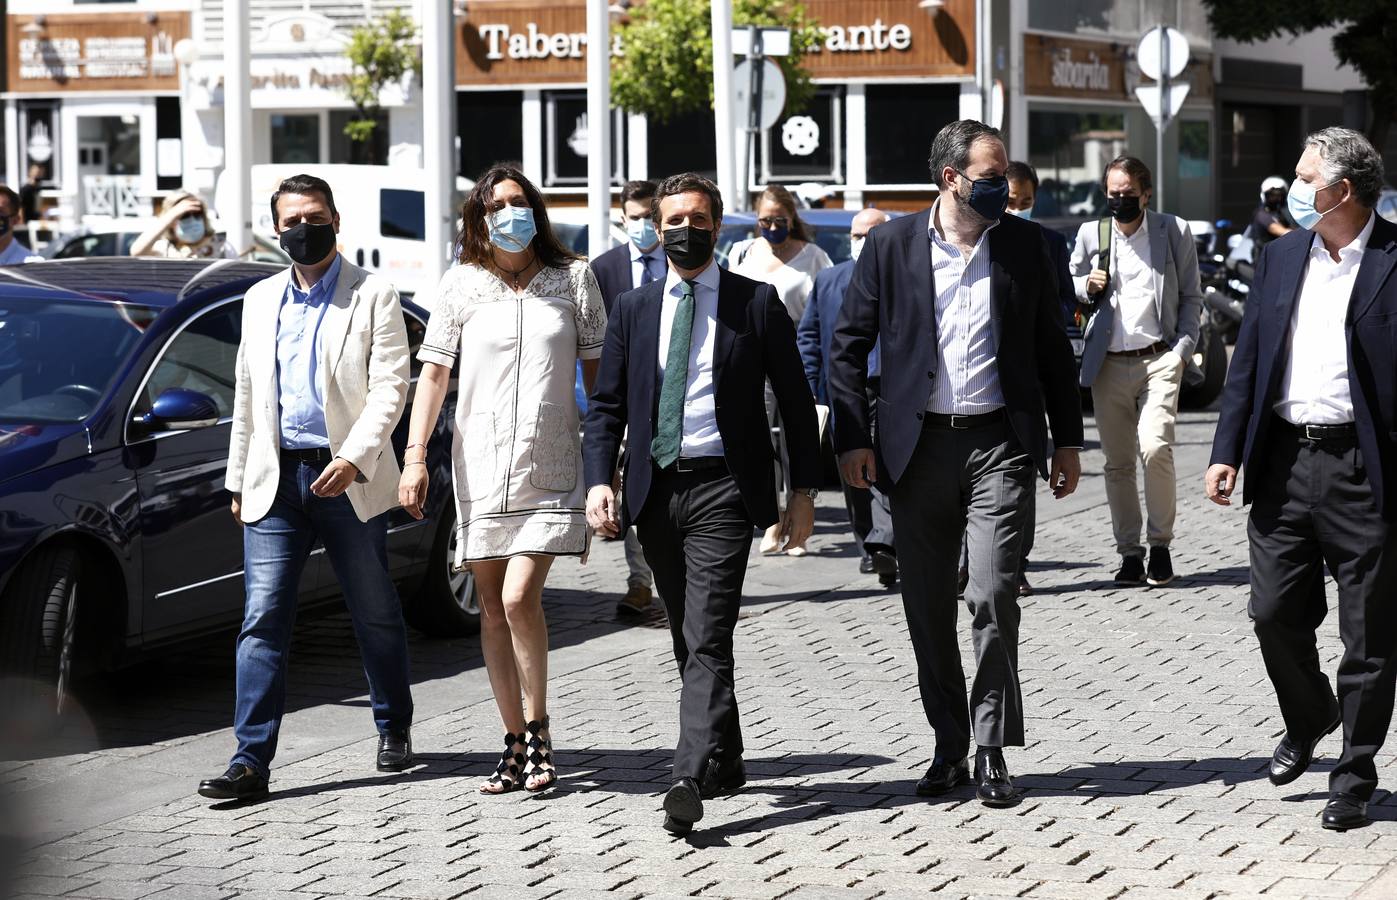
[[722, 777], [1293, 757], [238, 783], [1132, 571], [1344, 811], [394, 751], [683, 804], [1025, 589], [992, 776], [866, 565], [943, 777], [1160, 570], [676, 827], [885, 564]]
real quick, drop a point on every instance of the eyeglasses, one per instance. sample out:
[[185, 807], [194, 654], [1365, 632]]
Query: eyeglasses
[[774, 222]]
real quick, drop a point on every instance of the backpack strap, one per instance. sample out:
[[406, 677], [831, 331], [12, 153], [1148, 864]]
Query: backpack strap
[[1105, 235]]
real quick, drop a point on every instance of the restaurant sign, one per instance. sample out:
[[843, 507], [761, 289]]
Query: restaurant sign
[[111, 51]]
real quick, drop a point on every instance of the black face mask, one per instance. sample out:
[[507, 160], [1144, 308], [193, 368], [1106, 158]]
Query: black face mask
[[1124, 209], [689, 247], [308, 244]]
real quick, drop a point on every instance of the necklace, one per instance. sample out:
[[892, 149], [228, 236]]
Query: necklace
[[514, 275]]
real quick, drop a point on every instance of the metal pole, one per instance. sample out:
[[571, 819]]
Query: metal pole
[[1163, 123], [598, 128], [438, 135], [237, 126], [756, 67], [724, 116], [985, 68]]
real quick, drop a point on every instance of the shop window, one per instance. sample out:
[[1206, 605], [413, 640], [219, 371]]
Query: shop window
[[490, 125], [39, 141], [686, 143], [373, 152], [402, 214], [1195, 196], [808, 146], [1070, 150], [295, 138], [900, 123], [567, 139]]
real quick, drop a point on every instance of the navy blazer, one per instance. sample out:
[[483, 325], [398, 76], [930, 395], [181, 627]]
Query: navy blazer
[[891, 300], [754, 342], [1255, 377], [613, 271], [815, 333]]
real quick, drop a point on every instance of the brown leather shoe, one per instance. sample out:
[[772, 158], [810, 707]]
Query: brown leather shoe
[[636, 601]]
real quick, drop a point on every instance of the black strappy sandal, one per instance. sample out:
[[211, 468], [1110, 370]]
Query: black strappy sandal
[[507, 774], [540, 759]]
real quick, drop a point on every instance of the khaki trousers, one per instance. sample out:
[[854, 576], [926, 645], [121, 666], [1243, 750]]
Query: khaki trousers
[[1137, 403]]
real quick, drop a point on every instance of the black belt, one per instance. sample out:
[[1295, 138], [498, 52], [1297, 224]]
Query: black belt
[[1345, 433], [944, 420], [1151, 350], [320, 455], [695, 464]]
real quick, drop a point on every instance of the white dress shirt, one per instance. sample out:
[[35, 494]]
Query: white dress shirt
[[656, 252], [701, 437], [1136, 324], [967, 366], [1316, 390]]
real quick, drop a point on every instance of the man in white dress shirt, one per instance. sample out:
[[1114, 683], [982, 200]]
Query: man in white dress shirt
[[12, 252], [1143, 291], [1310, 413]]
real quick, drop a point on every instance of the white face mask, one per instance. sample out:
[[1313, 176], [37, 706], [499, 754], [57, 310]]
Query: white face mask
[[1024, 213], [856, 247]]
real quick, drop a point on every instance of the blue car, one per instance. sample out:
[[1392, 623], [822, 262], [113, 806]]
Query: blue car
[[116, 541], [831, 227]]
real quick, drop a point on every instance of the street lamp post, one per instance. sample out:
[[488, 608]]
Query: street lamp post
[[598, 128], [438, 135], [724, 116], [237, 126]]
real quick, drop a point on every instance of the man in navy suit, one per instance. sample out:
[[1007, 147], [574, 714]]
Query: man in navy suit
[[684, 368], [869, 514], [964, 304], [621, 269], [1310, 413]]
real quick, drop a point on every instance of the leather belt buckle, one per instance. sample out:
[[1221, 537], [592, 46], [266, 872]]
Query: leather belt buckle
[[959, 422], [1314, 433]]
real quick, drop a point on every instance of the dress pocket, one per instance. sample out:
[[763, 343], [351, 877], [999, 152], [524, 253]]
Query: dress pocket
[[479, 457], [554, 450]]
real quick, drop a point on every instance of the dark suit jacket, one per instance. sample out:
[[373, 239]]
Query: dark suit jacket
[[1262, 352], [891, 299], [613, 271], [815, 333], [1062, 264], [754, 342]]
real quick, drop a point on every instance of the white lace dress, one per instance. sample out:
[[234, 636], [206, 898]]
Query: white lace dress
[[516, 455]]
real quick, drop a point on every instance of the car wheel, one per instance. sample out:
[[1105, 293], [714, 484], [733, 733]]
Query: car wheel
[[1202, 395], [446, 605], [38, 621]]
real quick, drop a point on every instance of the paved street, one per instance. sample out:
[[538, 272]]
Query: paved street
[[1150, 725]]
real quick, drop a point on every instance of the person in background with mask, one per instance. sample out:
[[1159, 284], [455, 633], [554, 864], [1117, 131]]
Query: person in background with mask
[[322, 378], [684, 367], [1271, 219], [784, 255], [1310, 413], [517, 313], [619, 270], [12, 252], [183, 231], [868, 510], [960, 300], [1137, 272]]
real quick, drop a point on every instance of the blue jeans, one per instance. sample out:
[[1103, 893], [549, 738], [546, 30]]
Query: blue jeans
[[275, 550]]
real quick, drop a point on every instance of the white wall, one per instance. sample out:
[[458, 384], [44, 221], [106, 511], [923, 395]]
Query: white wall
[[1314, 51]]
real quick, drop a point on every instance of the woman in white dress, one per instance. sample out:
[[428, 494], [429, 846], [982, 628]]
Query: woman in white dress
[[516, 313], [784, 255]]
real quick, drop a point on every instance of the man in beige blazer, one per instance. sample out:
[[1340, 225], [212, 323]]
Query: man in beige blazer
[[322, 382]]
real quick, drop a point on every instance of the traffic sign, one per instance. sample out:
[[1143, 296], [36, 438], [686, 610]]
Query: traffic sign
[[1149, 96], [773, 98], [1151, 49], [774, 41]]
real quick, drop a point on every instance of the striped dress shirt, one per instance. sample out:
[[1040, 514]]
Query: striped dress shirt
[[967, 368]]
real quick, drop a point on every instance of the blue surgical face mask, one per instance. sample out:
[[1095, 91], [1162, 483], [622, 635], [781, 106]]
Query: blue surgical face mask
[[1025, 213], [642, 233], [190, 230], [512, 228], [776, 235], [1301, 203], [988, 196]]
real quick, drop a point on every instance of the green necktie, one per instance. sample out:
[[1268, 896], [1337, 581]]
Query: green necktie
[[669, 426]]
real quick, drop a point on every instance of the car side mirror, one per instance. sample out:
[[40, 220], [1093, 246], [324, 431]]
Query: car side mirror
[[180, 409]]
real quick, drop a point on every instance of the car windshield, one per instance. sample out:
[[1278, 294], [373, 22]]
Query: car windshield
[[833, 239], [59, 357]]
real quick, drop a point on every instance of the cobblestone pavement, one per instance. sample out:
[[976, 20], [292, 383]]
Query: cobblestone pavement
[[1150, 723]]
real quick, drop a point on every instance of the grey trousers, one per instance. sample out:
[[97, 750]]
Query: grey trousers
[[974, 483]]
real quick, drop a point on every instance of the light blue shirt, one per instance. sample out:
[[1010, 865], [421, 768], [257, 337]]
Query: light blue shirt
[[300, 387]]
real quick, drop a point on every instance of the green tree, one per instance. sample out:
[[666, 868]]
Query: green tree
[[1367, 34], [667, 64], [381, 53]]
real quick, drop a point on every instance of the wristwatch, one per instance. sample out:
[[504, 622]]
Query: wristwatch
[[812, 493]]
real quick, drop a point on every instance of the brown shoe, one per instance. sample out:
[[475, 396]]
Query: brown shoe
[[636, 601]]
